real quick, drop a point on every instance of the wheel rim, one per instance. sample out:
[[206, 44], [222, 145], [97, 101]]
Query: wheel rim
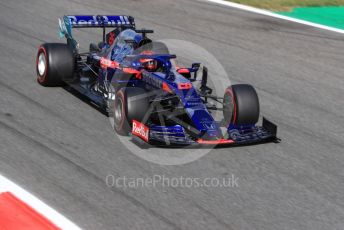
[[228, 108], [118, 112], [42, 64]]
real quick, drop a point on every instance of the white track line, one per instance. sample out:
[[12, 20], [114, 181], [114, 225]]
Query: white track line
[[272, 14], [59, 220]]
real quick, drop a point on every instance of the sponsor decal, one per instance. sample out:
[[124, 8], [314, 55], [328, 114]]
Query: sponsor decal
[[98, 20], [184, 85], [155, 82], [140, 130], [209, 126], [151, 80]]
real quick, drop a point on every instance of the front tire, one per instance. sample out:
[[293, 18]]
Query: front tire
[[130, 104], [241, 105], [54, 64]]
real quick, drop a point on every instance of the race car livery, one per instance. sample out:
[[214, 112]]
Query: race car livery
[[137, 83]]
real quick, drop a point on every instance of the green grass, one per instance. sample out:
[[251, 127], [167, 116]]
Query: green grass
[[286, 5]]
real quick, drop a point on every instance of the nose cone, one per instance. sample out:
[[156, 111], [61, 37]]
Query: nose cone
[[200, 117], [205, 124]]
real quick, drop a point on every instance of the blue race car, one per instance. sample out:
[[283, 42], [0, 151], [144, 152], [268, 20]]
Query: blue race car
[[134, 80]]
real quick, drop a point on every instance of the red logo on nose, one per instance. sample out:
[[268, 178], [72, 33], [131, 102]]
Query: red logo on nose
[[140, 130]]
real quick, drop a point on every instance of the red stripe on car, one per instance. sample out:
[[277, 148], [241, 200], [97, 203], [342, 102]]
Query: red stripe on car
[[107, 63], [215, 142]]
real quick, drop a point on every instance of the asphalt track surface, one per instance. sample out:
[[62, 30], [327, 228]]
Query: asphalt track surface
[[61, 149]]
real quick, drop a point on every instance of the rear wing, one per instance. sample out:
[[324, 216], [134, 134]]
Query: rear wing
[[94, 21], [68, 22]]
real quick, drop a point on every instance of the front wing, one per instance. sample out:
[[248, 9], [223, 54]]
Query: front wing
[[175, 136]]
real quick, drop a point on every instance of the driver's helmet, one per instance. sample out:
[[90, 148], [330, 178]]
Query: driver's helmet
[[149, 64]]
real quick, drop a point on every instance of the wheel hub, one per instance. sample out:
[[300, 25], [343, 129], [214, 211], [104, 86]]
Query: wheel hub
[[42, 62]]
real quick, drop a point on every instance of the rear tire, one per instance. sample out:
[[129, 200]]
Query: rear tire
[[54, 64], [130, 104], [241, 105]]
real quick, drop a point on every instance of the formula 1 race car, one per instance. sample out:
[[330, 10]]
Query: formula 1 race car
[[135, 80]]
